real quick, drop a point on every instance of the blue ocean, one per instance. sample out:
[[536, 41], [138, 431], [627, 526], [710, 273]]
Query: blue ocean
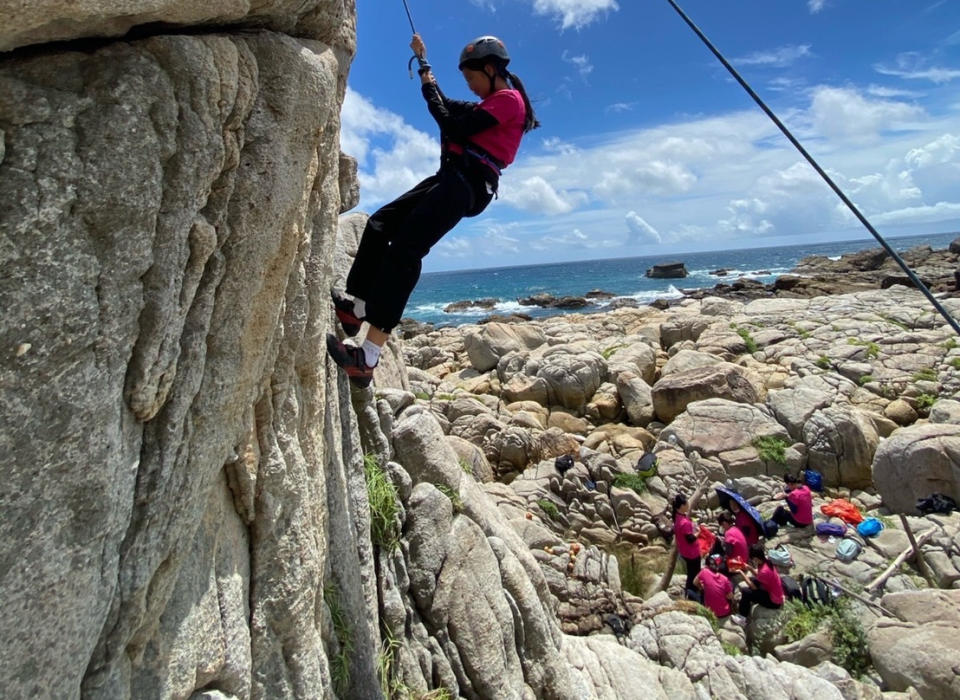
[[623, 277]]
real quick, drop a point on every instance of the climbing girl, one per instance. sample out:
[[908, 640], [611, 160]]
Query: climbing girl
[[478, 140]]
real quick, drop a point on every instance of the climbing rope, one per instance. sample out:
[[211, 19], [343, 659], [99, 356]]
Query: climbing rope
[[786, 132], [421, 61]]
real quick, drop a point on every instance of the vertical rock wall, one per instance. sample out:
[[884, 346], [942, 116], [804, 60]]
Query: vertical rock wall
[[173, 448]]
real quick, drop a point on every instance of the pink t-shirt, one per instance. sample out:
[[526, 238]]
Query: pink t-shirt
[[737, 542], [503, 140], [769, 580], [683, 526], [716, 586], [802, 500], [747, 526]]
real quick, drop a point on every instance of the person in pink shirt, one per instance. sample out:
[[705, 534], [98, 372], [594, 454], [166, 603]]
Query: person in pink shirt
[[734, 541], [763, 583], [745, 523], [686, 531], [477, 141], [717, 589], [799, 501]]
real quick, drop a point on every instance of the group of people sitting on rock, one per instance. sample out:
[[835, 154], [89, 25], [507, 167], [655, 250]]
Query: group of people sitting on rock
[[739, 552]]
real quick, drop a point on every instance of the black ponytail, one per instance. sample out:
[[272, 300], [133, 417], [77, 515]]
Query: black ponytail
[[531, 122]]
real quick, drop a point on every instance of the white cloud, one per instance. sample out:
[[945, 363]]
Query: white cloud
[[581, 63], [535, 194], [574, 14], [392, 155], [557, 145], [943, 150], [656, 177], [845, 114], [888, 92], [639, 231], [620, 107], [779, 58], [816, 5], [914, 66]]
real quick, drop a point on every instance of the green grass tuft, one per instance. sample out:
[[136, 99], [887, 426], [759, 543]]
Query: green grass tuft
[[865, 379], [630, 481], [950, 344], [340, 663], [383, 504], [549, 508], [927, 374], [609, 351], [748, 340], [823, 362], [848, 638], [926, 401], [770, 448], [955, 362], [452, 495], [730, 649]]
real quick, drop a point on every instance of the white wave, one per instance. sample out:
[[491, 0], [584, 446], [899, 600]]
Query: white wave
[[834, 257]]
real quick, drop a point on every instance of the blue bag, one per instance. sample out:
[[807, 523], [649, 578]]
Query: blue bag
[[813, 479], [869, 527]]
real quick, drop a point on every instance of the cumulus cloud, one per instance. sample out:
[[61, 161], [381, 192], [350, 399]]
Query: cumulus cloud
[[777, 58], [656, 177], [574, 14], [392, 155], [535, 194], [816, 5], [639, 231], [942, 150], [845, 113]]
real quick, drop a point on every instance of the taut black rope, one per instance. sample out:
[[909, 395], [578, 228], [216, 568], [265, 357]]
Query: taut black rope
[[850, 205]]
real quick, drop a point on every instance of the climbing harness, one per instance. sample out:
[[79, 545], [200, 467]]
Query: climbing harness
[[850, 205], [424, 66]]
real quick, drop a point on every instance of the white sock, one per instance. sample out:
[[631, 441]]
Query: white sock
[[359, 307], [371, 353]]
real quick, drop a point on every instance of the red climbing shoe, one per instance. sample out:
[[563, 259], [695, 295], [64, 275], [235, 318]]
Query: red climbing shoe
[[352, 360], [344, 309]]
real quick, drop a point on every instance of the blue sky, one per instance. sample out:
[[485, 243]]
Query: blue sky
[[647, 144]]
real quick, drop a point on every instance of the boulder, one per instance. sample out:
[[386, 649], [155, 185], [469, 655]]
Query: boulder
[[916, 461], [841, 442], [637, 398], [486, 344], [678, 328], [686, 360], [637, 356], [921, 657], [672, 394], [945, 411], [726, 430], [810, 651]]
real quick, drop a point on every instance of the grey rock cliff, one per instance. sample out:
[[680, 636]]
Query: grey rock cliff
[[178, 488]]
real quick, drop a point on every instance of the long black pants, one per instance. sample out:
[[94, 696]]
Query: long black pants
[[693, 568], [400, 234], [782, 516], [750, 596]]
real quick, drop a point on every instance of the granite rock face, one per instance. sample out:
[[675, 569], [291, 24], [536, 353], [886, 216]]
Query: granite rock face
[[168, 207], [41, 21]]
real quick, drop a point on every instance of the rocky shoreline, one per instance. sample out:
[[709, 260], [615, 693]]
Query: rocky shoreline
[[860, 385], [815, 275]]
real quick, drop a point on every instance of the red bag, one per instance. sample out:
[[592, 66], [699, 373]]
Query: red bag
[[705, 540], [736, 564], [843, 509]]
